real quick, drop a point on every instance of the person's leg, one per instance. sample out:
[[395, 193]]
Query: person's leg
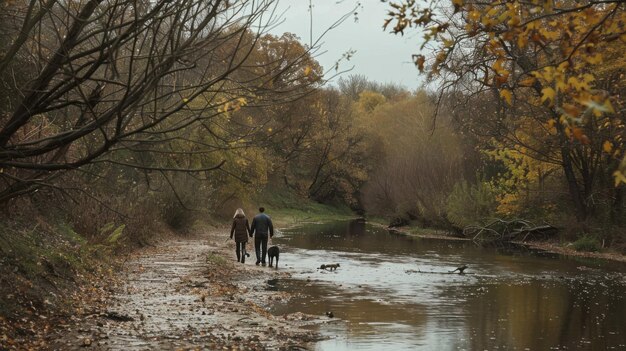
[[257, 249], [237, 250], [243, 252], [264, 250]]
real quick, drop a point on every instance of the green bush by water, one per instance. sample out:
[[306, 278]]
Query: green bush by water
[[468, 203], [587, 243]]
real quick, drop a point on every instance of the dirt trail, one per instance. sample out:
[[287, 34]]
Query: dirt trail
[[188, 294]]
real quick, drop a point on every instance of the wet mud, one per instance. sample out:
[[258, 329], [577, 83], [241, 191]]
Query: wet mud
[[191, 294]]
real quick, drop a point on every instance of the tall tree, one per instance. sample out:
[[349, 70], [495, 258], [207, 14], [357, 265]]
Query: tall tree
[[540, 58], [102, 79]]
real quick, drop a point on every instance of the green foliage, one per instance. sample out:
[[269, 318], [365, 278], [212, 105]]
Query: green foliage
[[215, 259], [587, 242], [288, 208], [29, 244], [46, 268], [310, 213], [319, 152], [107, 228], [68, 232], [369, 101], [116, 235], [469, 203]]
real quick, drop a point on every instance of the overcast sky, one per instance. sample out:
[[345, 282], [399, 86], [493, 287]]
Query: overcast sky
[[380, 56]]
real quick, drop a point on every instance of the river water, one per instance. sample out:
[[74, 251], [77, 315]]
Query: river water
[[391, 292]]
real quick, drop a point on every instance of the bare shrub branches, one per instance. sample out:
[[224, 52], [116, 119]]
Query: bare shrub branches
[[97, 80]]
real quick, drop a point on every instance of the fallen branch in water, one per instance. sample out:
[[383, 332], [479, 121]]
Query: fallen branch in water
[[502, 231], [409, 271]]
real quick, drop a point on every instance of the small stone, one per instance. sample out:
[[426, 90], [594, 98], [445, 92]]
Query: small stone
[[86, 342]]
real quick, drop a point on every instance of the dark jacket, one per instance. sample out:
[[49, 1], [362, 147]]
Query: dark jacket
[[240, 228], [261, 225]]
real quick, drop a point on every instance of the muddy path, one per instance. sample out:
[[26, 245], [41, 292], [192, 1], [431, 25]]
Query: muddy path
[[189, 294]]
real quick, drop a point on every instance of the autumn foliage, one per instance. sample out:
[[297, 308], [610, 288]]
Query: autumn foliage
[[556, 66]]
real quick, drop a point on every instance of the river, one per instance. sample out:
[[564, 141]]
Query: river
[[391, 292]]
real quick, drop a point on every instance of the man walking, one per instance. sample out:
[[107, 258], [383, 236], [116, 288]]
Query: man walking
[[261, 226]]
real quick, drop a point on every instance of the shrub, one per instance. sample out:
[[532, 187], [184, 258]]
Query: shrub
[[587, 243], [468, 203]]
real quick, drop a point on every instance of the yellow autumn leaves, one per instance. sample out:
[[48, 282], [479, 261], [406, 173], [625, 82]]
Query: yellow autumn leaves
[[232, 105], [507, 96], [546, 52]]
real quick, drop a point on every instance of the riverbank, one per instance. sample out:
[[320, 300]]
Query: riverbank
[[189, 293], [182, 292], [47, 274], [419, 232], [564, 249], [51, 276], [568, 251]]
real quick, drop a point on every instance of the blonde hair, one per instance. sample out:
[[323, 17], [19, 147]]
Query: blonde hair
[[239, 212]]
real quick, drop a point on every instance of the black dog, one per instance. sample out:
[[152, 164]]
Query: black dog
[[331, 267], [272, 252]]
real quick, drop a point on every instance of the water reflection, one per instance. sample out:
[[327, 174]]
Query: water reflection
[[516, 298]]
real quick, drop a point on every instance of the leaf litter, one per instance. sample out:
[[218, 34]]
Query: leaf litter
[[185, 294]]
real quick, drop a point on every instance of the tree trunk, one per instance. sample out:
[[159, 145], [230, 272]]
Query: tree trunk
[[566, 158], [617, 205], [570, 176]]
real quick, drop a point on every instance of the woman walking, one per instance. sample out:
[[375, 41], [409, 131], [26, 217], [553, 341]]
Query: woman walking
[[240, 229]]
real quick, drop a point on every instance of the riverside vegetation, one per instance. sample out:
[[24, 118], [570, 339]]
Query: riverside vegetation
[[118, 130]]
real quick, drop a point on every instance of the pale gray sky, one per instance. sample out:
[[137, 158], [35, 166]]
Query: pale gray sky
[[380, 56]]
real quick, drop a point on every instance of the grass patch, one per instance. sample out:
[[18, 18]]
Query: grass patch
[[215, 259], [288, 209], [421, 231], [68, 233], [317, 213], [39, 262], [587, 243], [378, 220]]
